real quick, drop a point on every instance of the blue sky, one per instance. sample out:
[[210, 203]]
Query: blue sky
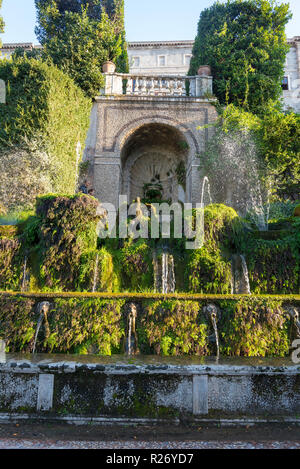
[[145, 21]]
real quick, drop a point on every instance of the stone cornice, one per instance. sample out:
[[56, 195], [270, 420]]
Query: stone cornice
[[131, 45]]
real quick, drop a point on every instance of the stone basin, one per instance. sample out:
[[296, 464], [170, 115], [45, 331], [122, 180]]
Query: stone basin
[[81, 389]]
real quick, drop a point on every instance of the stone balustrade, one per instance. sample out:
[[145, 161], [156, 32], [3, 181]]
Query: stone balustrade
[[118, 84]]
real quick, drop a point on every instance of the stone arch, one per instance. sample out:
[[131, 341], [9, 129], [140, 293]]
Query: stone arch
[[132, 126], [155, 157]]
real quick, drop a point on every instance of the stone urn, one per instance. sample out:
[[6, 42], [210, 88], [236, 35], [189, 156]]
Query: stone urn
[[204, 71], [108, 67]]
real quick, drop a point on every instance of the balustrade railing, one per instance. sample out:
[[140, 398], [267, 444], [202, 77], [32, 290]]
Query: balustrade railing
[[148, 85]]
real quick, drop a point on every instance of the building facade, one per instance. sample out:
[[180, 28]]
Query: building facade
[[172, 58]]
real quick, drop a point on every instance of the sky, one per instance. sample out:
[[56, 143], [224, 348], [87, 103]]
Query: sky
[[153, 20]]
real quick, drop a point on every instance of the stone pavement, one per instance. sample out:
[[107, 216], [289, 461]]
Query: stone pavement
[[10, 443]]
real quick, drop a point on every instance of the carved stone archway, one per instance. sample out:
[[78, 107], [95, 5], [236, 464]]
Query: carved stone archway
[[155, 158]]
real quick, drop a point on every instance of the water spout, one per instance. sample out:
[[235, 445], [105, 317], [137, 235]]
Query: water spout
[[165, 272], [131, 345], [213, 314], [43, 309], [240, 276]]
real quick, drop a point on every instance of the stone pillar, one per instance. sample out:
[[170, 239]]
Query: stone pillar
[[200, 395], [113, 85], [201, 86]]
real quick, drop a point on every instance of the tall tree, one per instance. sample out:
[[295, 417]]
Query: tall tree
[[1, 24], [244, 42], [79, 35]]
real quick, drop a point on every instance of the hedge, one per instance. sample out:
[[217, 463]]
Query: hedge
[[45, 117]]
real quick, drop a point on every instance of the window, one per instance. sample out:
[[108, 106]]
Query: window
[[187, 59], [136, 62], [162, 61], [285, 83]]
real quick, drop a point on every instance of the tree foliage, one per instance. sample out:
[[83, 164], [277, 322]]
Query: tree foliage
[[244, 42], [251, 151], [279, 137], [79, 35]]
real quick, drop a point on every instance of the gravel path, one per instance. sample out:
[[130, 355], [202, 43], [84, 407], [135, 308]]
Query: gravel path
[[136, 445]]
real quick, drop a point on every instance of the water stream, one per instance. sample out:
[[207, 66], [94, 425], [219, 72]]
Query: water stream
[[164, 273], [205, 184], [95, 280], [43, 309], [240, 276]]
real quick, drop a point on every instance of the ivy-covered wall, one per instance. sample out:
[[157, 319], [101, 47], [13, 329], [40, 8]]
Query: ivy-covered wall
[[249, 327]]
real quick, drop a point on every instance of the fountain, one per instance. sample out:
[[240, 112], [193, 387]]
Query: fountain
[[213, 314], [131, 344], [205, 183], [164, 273], [42, 309], [95, 279], [240, 276]]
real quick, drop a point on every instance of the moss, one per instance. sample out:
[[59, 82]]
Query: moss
[[208, 269], [249, 326], [254, 327], [274, 266], [175, 328], [10, 263]]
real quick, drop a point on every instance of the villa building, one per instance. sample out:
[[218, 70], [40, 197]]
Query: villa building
[[172, 58]]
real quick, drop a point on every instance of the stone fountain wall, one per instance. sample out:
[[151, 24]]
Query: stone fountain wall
[[97, 392]]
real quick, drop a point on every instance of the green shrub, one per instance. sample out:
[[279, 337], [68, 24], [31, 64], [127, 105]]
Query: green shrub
[[254, 327], [67, 233], [45, 117], [175, 328]]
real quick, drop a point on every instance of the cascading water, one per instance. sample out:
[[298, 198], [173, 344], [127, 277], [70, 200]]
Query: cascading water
[[164, 273], [213, 313], [214, 323], [240, 276], [171, 276], [95, 279], [131, 346]]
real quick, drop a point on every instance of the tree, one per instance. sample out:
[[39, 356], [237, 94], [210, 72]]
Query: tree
[[46, 16], [78, 36], [1, 24], [279, 137], [244, 42]]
